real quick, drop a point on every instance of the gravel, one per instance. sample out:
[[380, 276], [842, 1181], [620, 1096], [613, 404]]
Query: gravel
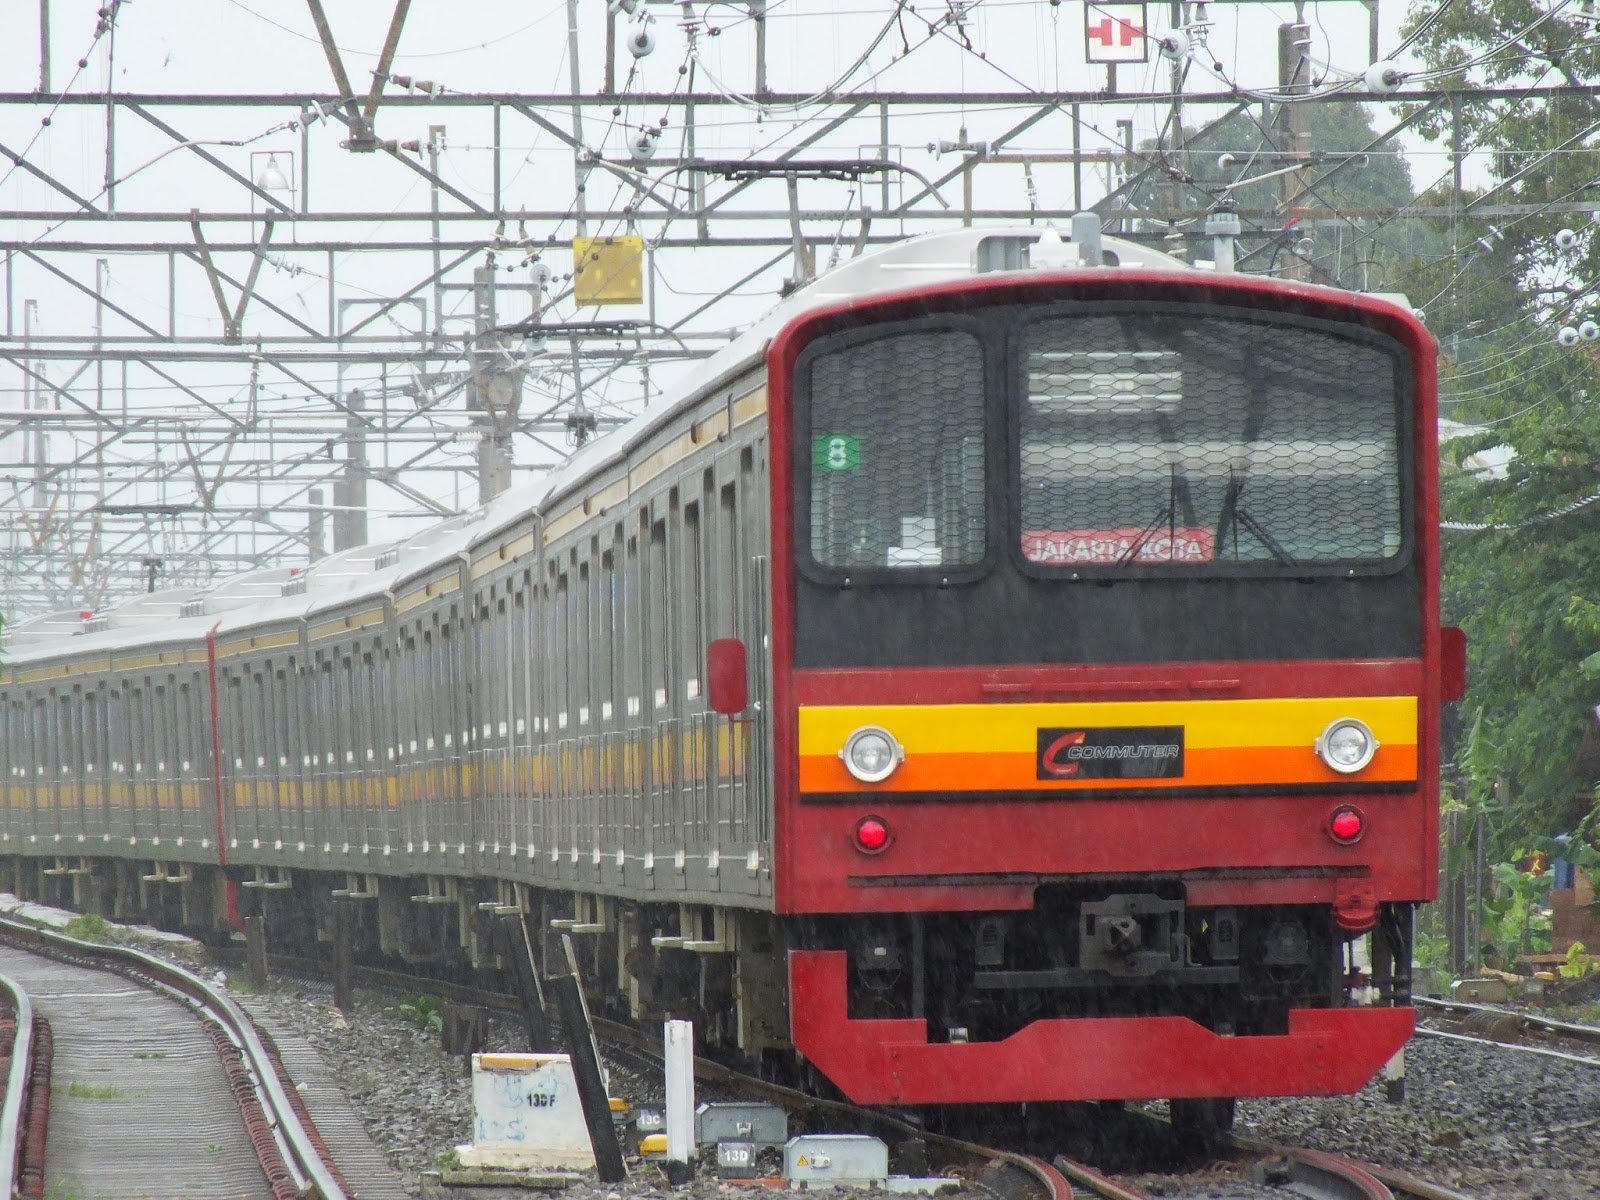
[[1488, 1120], [1491, 1121]]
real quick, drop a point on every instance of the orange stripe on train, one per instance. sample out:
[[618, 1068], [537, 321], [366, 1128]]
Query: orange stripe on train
[[1002, 772]]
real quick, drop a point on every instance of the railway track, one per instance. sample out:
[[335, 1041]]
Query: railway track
[[1504, 1027], [1308, 1174], [164, 1088]]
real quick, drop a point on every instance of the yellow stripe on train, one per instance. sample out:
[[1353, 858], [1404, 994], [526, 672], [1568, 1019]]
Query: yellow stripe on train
[[1207, 724]]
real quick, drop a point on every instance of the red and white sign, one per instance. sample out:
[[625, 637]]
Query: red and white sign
[[1184, 544], [1114, 33]]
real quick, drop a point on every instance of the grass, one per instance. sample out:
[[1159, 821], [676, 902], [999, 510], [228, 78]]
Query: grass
[[93, 1091], [88, 928]]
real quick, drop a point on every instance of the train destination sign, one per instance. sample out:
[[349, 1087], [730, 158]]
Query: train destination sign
[[1180, 544]]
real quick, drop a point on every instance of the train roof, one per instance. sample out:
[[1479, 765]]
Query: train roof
[[348, 576]]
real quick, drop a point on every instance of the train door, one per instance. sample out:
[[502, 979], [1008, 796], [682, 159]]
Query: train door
[[561, 820], [65, 807], [610, 782], [665, 757], [91, 719], [635, 654], [11, 757], [524, 687], [189, 735]]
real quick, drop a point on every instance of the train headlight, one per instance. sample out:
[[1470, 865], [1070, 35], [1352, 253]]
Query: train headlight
[[871, 754], [1347, 745]]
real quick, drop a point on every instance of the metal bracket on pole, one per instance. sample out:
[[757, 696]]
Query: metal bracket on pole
[[233, 320]]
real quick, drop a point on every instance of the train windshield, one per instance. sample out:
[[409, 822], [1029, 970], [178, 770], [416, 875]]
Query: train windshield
[[1149, 437], [897, 452]]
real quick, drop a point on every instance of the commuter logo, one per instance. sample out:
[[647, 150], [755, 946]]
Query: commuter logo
[[1120, 752]]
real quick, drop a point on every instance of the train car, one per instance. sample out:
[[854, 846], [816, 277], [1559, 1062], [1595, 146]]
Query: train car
[[1008, 672]]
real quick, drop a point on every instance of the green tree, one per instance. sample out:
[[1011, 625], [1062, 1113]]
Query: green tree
[[1523, 588], [1237, 162]]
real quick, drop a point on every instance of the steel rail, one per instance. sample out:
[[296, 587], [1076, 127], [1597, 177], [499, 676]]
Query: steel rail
[[1318, 1173], [1393, 1182], [1542, 1051], [1404, 1183], [14, 1107], [1094, 1181], [1582, 1033], [300, 1151]]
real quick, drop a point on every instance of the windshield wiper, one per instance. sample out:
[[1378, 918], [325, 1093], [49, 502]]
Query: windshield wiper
[[1167, 517], [1234, 515]]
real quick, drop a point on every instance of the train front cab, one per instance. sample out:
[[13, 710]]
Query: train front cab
[[1108, 686]]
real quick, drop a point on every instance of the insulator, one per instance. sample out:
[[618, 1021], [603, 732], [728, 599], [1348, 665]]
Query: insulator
[[642, 146], [1589, 331], [1384, 76], [1568, 336], [1566, 239], [641, 41], [1175, 45]]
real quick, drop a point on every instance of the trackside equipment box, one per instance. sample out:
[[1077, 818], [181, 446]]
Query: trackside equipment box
[[726, 1121]]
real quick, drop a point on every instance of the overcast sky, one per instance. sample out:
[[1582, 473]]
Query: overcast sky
[[270, 47]]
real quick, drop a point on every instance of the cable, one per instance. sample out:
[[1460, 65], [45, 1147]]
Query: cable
[[827, 93], [102, 27], [494, 41]]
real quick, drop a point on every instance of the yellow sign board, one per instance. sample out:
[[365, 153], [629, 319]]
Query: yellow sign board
[[608, 270]]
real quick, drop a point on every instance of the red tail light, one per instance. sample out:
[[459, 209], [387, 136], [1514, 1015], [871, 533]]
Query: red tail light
[[872, 835], [1346, 825]]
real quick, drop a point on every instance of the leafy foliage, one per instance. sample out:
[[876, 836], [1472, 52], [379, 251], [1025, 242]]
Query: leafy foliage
[[426, 1013], [1577, 964], [1516, 921], [1527, 592]]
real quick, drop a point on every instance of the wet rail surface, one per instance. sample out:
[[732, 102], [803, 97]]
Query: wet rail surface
[[141, 1103]]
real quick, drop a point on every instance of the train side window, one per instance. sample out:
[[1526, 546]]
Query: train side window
[[634, 639], [560, 668], [658, 601], [726, 621], [66, 736], [517, 686], [535, 672], [606, 629], [580, 635], [693, 634], [111, 722]]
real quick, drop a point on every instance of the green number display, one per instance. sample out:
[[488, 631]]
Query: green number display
[[836, 452]]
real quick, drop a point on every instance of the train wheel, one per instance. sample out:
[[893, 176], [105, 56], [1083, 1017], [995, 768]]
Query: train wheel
[[1201, 1125]]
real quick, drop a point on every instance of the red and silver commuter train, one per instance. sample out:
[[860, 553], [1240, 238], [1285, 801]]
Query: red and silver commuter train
[[984, 682]]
